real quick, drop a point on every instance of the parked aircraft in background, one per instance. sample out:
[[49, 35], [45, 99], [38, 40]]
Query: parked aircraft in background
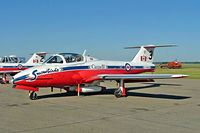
[[11, 65], [81, 73], [12, 59]]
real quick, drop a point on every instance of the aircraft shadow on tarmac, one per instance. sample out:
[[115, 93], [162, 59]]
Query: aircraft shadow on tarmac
[[136, 94]]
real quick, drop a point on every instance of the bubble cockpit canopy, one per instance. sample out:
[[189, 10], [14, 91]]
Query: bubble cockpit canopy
[[65, 58], [11, 59]]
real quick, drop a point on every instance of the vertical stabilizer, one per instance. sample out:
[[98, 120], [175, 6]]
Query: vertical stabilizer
[[146, 53], [37, 58]]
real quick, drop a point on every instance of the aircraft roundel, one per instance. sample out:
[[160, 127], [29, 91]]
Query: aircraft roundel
[[127, 67], [20, 66]]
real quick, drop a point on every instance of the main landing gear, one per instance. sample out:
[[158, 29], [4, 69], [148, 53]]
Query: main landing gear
[[4, 79], [33, 95], [121, 92]]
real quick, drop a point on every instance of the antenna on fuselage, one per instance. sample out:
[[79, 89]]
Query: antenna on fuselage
[[84, 52]]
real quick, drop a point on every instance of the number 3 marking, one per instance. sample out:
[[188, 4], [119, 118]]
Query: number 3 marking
[[151, 55]]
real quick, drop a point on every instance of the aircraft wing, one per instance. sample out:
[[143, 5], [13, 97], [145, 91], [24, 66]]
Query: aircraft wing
[[139, 76]]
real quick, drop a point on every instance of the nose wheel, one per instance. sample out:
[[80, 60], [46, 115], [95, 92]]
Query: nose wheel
[[33, 95]]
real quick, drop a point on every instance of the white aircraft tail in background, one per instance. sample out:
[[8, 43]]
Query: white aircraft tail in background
[[37, 58], [10, 69]]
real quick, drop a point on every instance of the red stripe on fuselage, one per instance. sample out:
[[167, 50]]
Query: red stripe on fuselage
[[60, 79]]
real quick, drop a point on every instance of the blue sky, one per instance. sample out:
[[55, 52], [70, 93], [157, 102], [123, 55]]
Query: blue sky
[[103, 27]]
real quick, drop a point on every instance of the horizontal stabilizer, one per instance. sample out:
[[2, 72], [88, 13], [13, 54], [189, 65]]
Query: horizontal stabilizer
[[146, 53], [40, 53], [152, 46]]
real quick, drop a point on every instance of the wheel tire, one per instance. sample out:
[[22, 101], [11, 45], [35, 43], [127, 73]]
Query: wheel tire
[[33, 96], [118, 93]]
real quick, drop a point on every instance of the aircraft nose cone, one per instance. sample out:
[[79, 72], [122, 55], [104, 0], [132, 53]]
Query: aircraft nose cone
[[12, 81]]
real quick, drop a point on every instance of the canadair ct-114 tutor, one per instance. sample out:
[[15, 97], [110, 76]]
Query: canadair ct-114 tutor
[[11, 65], [83, 74]]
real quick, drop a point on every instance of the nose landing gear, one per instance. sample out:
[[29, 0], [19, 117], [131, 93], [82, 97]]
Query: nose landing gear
[[33, 95]]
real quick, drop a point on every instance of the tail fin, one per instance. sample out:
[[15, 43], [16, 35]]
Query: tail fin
[[37, 58], [146, 53]]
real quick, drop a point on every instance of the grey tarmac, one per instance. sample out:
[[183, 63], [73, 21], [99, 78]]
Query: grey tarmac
[[166, 106]]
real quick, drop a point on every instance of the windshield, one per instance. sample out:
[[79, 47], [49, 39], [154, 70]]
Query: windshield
[[54, 59], [71, 57]]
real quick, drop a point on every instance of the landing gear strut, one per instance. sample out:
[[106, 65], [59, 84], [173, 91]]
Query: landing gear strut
[[79, 89], [121, 92], [4, 79], [33, 95]]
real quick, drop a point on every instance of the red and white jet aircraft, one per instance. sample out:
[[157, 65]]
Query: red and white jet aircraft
[[9, 66], [81, 73]]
